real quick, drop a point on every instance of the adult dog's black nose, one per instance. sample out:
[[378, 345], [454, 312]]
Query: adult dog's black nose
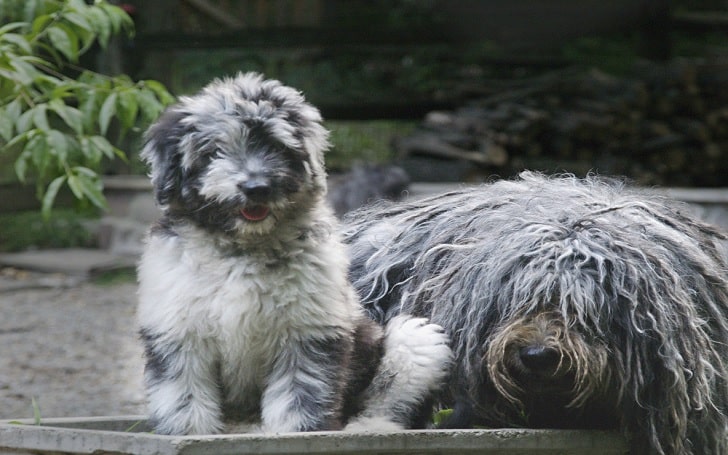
[[256, 188], [540, 358]]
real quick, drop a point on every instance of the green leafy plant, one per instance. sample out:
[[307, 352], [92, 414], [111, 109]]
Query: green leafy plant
[[67, 228], [36, 414], [56, 116], [36, 411], [441, 416]]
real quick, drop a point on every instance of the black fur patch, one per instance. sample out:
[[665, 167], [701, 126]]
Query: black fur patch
[[158, 357], [325, 360], [165, 135], [365, 359], [163, 228]]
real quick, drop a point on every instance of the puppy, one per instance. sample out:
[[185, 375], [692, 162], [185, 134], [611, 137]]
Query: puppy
[[245, 309]]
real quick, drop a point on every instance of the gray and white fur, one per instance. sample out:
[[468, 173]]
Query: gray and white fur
[[570, 303], [245, 309]]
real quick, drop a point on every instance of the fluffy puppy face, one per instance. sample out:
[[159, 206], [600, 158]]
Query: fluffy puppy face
[[240, 158]]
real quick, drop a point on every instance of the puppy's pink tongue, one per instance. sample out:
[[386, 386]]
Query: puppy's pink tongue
[[255, 212]]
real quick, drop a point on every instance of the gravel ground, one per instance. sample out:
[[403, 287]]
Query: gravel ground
[[72, 348]]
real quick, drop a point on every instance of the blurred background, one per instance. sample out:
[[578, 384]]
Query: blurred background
[[461, 90], [434, 90]]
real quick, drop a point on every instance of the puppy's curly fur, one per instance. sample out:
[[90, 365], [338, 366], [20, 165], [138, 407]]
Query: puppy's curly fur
[[571, 303], [245, 309]]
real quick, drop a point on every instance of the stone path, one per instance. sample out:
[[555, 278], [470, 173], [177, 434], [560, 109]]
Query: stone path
[[74, 349]]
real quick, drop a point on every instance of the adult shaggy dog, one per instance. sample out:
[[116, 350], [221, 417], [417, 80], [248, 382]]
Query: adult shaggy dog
[[245, 309], [571, 303]]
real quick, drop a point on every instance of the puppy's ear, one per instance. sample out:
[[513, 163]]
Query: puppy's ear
[[162, 153], [315, 140]]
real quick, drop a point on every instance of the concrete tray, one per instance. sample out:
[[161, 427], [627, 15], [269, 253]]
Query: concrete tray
[[129, 435]]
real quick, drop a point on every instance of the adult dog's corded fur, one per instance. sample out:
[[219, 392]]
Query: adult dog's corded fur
[[571, 303], [245, 309]]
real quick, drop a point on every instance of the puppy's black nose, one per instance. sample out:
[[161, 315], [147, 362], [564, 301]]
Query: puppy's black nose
[[540, 358], [256, 188]]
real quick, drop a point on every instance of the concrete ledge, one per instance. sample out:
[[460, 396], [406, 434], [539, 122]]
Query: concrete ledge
[[129, 435], [81, 262]]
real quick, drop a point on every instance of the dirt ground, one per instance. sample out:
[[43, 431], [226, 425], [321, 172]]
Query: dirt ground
[[74, 349]]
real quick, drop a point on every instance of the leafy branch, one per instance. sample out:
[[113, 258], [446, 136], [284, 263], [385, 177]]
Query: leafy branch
[[55, 116]]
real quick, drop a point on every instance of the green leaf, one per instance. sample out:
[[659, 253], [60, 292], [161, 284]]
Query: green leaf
[[50, 195], [20, 138], [441, 416], [90, 151], [78, 19], [88, 184], [40, 22], [13, 109], [82, 28], [78, 5], [127, 108], [94, 79], [36, 151], [87, 39], [107, 111], [21, 167], [67, 89], [128, 430], [37, 148], [70, 115], [101, 24], [6, 125], [65, 40], [40, 119], [12, 26], [160, 90], [113, 16], [18, 40], [85, 171], [46, 84], [25, 72], [75, 185], [34, 60], [89, 109], [102, 144], [118, 18], [24, 121], [36, 411], [149, 105], [34, 7], [58, 144]]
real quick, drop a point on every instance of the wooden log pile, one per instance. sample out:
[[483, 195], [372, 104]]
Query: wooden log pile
[[664, 125]]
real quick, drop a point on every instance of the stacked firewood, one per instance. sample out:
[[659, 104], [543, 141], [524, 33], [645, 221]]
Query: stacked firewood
[[664, 125]]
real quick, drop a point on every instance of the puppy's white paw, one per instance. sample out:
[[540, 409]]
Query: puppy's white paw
[[418, 351]]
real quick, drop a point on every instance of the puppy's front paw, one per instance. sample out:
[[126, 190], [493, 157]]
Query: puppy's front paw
[[419, 349]]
